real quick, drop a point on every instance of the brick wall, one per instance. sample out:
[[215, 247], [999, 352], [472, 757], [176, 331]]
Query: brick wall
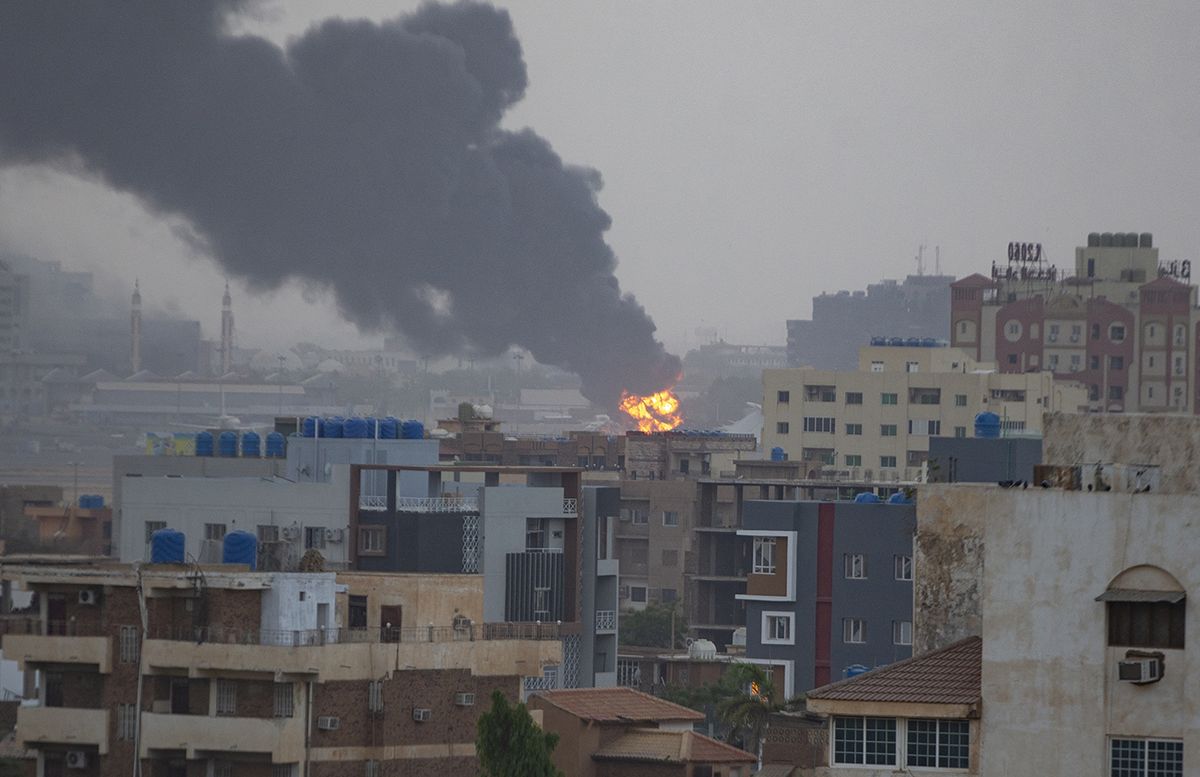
[[627, 769]]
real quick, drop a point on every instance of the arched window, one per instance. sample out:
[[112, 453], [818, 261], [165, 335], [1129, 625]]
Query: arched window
[[1146, 606]]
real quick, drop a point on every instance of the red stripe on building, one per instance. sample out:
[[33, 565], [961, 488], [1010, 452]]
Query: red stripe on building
[[823, 633]]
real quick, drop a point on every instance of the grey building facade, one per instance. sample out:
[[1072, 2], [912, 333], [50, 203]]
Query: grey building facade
[[830, 588], [983, 459]]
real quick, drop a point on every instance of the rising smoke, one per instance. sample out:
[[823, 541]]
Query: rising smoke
[[366, 157]]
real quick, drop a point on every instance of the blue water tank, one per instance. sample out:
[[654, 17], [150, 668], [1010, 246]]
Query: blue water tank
[[241, 547], [866, 498], [372, 427], [878, 341], [899, 498], [251, 445], [332, 427], [855, 669], [91, 501], [929, 342], [389, 428], [309, 427], [913, 342], [412, 430], [895, 341], [276, 446], [355, 428], [987, 425], [167, 547], [778, 454], [204, 444], [227, 445]]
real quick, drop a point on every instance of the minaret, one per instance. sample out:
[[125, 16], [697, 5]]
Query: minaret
[[135, 329], [226, 331]]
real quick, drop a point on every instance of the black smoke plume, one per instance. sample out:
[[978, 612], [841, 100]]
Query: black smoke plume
[[365, 157]]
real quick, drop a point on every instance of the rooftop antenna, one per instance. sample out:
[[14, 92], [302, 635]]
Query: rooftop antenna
[[921, 259], [937, 260]]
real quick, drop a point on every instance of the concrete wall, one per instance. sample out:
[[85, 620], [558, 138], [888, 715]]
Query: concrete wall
[[1171, 442], [293, 602], [188, 503], [983, 460], [948, 565], [312, 460], [425, 598], [502, 514]]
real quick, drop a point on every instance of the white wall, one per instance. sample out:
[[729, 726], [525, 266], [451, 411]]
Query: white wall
[[283, 608]]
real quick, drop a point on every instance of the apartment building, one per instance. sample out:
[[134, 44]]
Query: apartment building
[[543, 545], [594, 451], [876, 423], [684, 454], [186, 670], [829, 588], [1123, 325]]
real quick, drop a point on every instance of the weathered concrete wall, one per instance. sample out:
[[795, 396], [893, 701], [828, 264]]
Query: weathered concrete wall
[[425, 598], [947, 566], [1172, 442]]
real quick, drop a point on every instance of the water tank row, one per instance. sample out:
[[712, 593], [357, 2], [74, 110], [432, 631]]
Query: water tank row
[[778, 454], [228, 445], [1120, 240], [869, 498], [908, 342], [169, 546], [388, 428], [91, 501]]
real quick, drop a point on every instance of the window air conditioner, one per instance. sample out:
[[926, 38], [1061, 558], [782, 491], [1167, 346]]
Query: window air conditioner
[[1139, 670], [464, 699], [76, 759], [328, 722], [422, 714], [291, 532], [333, 535], [87, 596]]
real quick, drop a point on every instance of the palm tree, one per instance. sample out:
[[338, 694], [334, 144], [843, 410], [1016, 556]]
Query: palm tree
[[748, 712]]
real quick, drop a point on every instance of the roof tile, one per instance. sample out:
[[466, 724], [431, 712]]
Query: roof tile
[[947, 676], [642, 744], [617, 705]]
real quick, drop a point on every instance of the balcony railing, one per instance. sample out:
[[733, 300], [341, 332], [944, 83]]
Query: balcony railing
[[570, 507], [606, 620], [335, 636], [372, 502], [437, 504]]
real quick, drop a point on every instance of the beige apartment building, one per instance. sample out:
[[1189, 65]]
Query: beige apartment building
[[875, 423]]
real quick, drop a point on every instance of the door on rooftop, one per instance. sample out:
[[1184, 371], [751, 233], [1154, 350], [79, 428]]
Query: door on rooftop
[[358, 612], [180, 699], [390, 619], [56, 614]]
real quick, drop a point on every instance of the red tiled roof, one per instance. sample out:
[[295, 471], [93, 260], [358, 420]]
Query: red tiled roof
[[947, 676], [1163, 281], [642, 744], [617, 705], [971, 281]]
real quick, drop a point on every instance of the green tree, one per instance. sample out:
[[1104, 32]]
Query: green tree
[[747, 711], [510, 744], [651, 627]]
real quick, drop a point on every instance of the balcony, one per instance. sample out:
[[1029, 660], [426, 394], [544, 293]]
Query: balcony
[[437, 504], [281, 738], [37, 649], [63, 726], [606, 621]]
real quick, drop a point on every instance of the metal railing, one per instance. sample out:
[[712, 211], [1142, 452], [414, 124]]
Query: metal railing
[[342, 636], [570, 507], [437, 504], [372, 502], [606, 620]]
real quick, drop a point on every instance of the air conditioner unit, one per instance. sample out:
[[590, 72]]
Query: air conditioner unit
[[291, 532], [422, 714], [328, 722], [1139, 670], [333, 535], [464, 699], [87, 596], [76, 759]]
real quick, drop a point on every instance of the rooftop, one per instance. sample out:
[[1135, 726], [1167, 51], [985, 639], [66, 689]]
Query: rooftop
[[671, 747], [947, 676], [617, 705]]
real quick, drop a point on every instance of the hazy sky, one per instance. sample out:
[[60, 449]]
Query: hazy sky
[[756, 154]]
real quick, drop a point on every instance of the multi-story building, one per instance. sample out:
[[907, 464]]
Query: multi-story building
[[829, 589], [1122, 325], [174, 670], [684, 454], [917, 307], [876, 422], [598, 452]]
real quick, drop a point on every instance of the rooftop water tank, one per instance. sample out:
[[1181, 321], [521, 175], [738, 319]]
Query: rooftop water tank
[[389, 428], [332, 427], [1106, 239], [227, 445], [412, 430], [204, 444], [167, 546], [309, 427], [899, 498], [778, 454], [855, 669], [355, 428], [276, 446], [987, 425], [251, 445], [1093, 240], [241, 547], [1146, 240], [867, 498], [702, 650]]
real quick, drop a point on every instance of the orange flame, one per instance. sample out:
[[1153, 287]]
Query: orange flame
[[657, 412]]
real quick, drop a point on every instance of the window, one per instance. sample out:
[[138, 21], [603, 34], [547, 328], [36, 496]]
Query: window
[[854, 430], [1012, 331], [820, 393], [887, 430], [285, 700], [222, 769], [960, 431], [901, 632], [854, 631], [535, 533], [876, 366], [777, 628], [903, 567], [960, 400], [1052, 333], [854, 398], [855, 565], [214, 531], [853, 460], [888, 399], [640, 517], [1180, 335], [781, 427], [1091, 267], [670, 558], [129, 644], [922, 427], [1093, 362], [912, 366], [371, 540], [226, 697], [1179, 365], [1146, 624], [1116, 333], [1012, 358], [764, 556], [784, 396], [685, 465], [1116, 362], [153, 526], [286, 770], [669, 595], [268, 533], [938, 744], [126, 721], [1076, 363], [670, 518], [887, 462], [375, 696], [864, 741], [1076, 332], [314, 537], [1116, 392], [816, 424], [1147, 758], [637, 593]]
